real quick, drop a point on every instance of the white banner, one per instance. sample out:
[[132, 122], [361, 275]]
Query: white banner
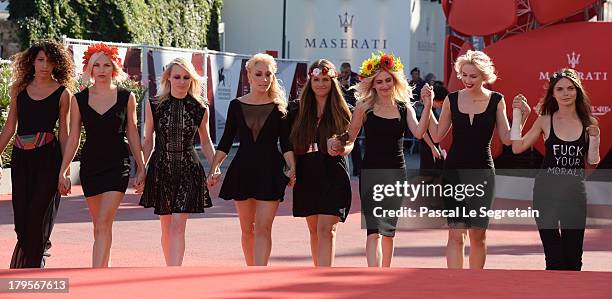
[[78, 51], [229, 81], [225, 77], [285, 74]]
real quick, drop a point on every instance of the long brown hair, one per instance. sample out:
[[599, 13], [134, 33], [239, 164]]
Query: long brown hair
[[583, 105], [23, 65], [335, 119]]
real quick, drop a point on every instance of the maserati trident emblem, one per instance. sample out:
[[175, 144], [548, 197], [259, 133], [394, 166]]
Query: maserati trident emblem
[[573, 60], [346, 24]]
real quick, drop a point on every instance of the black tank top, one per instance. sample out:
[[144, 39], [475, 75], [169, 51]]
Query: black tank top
[[564, 159], [384, 141], [108, 129], [35, 116], [471, 147]]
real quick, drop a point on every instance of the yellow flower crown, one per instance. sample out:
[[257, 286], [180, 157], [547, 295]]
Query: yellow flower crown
[[387, 62]]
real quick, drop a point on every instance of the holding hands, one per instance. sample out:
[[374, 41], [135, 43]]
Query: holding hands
[[336, 145], [520, 102], [520, 111], [290, 173], [427, 95], [214, 177], [139, 183], [64, 185]]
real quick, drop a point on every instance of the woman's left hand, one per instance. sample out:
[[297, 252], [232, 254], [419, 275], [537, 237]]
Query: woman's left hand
[[520, 102], [593, 130], [140, 181], [427, 95], [290, 173]]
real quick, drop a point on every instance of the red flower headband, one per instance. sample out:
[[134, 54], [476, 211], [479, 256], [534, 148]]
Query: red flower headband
[[111, 52], [323, 71]]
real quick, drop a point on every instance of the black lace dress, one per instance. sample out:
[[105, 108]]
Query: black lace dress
[[176, 182]]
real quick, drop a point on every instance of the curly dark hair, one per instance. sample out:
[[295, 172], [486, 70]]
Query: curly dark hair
[[23, 65]]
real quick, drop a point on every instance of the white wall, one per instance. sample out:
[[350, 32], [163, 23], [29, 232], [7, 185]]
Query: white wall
[[253, 26], [428, 31], [411, 29], [314, 30]]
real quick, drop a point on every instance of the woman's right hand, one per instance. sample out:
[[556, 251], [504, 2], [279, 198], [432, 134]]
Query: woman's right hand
[[427, 95], [213, 178], [64, 185], [290, 173], [520, 102], [435, 153]]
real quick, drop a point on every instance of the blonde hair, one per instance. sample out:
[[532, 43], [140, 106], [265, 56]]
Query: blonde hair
[[481, 61], [276, 91], [195, 87], [402, 91], [118, 73]]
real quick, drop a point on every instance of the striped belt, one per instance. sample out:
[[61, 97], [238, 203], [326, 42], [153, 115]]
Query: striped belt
[[32, 141]]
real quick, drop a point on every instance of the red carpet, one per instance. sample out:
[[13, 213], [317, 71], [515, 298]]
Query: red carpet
[[213, 261], [301, 282]]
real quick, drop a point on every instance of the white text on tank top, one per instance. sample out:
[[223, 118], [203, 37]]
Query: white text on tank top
[[567, 160]]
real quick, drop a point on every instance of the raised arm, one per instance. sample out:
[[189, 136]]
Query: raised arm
[[527, 141], [503, 127], [439, 128], [419, 128]]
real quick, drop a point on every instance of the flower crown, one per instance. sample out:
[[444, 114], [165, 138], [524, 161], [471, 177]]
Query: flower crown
[[565, 73], [387, 62], [325, 71], [111, 52]]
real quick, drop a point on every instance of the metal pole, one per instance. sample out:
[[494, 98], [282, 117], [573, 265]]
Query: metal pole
[[284, 26]]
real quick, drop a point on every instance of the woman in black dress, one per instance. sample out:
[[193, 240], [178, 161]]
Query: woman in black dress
[[39, 99], [176, 182], [383, 110], [559, 192], [255, 178], [108, 114], [473, 112], [322, 191]]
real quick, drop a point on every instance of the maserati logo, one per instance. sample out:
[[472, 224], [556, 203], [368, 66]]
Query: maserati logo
[[346, 24], [573, 60]]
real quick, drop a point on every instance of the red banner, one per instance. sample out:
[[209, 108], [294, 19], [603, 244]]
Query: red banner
[[524, 63]]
